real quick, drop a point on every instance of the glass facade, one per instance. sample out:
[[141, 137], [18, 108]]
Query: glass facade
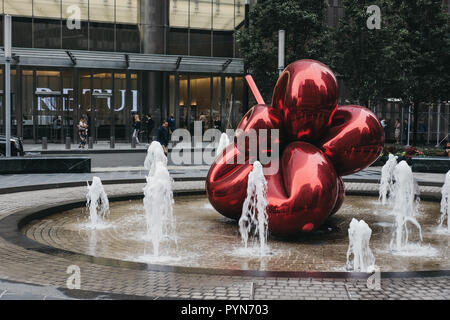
[[179, 27], [48, 102]]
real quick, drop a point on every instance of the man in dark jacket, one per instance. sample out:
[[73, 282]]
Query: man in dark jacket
[[163, 136]]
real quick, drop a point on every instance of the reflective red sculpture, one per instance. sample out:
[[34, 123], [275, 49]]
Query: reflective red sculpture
[[318, 142]]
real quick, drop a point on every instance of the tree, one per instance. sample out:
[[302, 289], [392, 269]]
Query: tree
[[421, 48], [363, 56], [307, 37]]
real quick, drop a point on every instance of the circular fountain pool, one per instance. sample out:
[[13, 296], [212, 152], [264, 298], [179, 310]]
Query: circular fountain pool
[[205, 239]]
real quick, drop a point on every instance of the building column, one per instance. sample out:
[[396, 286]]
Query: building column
[[76, 109], [153, 27], [35, 111], [19, 110]]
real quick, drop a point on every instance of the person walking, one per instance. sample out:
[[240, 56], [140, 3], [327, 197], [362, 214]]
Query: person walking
[[163, 136], [422, 131], [203, 119], [397, 131], [150, 124], [218, 123], [172, 123], [136, 127], [82, 132]]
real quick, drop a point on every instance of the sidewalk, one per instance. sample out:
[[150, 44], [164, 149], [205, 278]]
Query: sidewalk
[[104, 147]]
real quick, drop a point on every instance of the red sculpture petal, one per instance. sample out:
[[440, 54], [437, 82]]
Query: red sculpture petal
[[340, 198], [307, 94], [301, 196], [355, 139], [226, 183]]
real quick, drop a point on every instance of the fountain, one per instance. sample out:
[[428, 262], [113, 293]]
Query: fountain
[[359, 235], [158, 206], [445, 203], [387, 181], [97, 202], [254, 215], [155, 153], [405, 206], [223, 143]]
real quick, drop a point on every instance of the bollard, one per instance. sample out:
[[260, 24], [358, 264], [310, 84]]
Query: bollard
[[91, 143], [67, 143], [44, 143], [112, 142], [133, 143]]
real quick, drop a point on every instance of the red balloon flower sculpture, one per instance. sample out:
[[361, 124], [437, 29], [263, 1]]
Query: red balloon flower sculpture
[[319, 142]]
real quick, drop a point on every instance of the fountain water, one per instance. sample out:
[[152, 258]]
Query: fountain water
[[405, 206], [445, 203], [155, 153], [223, 143], [359, 235], [158, 206], [387, 181], [254, 215], [97, 202]]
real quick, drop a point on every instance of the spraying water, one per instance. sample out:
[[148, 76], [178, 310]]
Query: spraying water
[[387, 179], [223, 143], [155, 153], [158, 206], [359, 235], [405, 206], [445, 203], [254, 215], [97, 202]]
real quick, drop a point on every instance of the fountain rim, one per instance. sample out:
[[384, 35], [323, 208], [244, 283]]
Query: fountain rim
[[11, 225]]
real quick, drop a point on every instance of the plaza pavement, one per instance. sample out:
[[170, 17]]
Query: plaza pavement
[[29, 274]]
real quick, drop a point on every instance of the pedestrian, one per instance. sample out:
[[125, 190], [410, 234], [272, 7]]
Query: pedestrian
[[82, 132], [397, 131], [136, 127], [172, 123], [204, 120], [422, 131], [218, 123], [150, 124], [163, 136]]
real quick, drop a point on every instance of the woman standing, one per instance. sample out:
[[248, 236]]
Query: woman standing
[[136, 127], [82, 132], [397, 131]]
